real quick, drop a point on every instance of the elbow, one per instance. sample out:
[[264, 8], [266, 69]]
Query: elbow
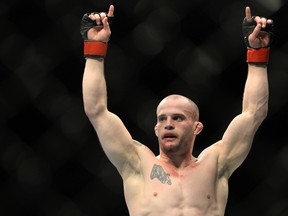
[[93, 111], [260, 114], [265, 112], [258, 110]]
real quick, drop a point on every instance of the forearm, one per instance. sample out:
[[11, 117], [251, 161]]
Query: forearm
[[255, 99], [95, 31], [94, 87]]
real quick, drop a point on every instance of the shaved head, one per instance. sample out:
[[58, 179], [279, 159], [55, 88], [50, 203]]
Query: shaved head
[[181, 100]]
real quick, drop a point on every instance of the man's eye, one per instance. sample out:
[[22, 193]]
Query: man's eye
[[177, 118]]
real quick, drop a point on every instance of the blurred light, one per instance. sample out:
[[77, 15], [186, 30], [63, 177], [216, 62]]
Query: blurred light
[[272, 5]]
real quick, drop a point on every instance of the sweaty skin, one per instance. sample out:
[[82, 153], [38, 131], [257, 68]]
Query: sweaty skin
[[175, 183], [163, 189]]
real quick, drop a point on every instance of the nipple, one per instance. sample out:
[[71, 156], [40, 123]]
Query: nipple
[[155, 194]]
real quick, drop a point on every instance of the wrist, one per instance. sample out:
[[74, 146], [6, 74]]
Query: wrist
[[95, 49], [258, 56]]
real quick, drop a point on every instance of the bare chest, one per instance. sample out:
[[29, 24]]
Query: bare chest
[[190, 186]]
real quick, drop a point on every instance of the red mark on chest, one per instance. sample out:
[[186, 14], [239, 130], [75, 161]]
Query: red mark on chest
[[195, 164]]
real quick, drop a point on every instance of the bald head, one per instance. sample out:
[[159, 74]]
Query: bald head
[[179, 100]]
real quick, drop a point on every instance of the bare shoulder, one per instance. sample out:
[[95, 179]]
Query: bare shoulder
[[211, 157], [135, 161], [138, 144], [211, 151], [139, 164], [142, 149]]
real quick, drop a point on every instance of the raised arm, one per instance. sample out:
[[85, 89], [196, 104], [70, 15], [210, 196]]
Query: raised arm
[[237, 139], [115, 140]]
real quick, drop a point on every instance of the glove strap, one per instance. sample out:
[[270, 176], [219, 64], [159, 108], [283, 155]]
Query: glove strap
[[258, 56], [95, 49]]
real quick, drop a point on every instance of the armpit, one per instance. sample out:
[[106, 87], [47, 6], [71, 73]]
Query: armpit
[[137, 143]]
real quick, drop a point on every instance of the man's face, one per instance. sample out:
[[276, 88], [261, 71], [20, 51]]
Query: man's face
[[175, 125]]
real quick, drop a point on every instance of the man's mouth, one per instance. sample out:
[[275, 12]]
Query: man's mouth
[[169, 136]]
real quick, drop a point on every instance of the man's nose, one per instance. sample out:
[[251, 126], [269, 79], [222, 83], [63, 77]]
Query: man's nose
[[169, 125]]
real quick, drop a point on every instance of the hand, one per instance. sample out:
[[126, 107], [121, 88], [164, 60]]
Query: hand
[[258, 38], [101, 33]]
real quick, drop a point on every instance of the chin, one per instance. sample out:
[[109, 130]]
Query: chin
[[171, 147]]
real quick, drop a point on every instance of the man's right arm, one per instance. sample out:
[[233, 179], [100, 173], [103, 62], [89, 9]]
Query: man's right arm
[[113, 135], [115, 139]]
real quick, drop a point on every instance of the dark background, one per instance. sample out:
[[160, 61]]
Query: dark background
[[51, 163]]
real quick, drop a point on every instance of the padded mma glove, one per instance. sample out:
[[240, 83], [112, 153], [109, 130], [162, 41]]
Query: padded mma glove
[[259, 55], [93, 49]]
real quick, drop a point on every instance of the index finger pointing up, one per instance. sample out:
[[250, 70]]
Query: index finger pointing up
[[111, 11], [248, 13]]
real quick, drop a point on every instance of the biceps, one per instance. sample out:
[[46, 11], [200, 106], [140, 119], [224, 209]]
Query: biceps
[[236, 142], [114, 138]]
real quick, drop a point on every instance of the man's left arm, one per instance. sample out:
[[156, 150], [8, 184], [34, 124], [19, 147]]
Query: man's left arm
[[237, 139]]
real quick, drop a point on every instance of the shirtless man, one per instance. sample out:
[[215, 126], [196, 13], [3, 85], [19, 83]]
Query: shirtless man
[[175, 182]]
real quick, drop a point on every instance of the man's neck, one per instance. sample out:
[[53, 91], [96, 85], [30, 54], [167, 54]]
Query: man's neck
[[177, 161]]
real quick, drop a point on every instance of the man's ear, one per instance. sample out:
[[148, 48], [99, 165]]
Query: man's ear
[[156, 130], [198, 128]]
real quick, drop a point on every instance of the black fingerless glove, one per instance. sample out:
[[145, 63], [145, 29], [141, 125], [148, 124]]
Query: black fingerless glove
[[87, 23], [257, 56], [92, 49], [248, 27]]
